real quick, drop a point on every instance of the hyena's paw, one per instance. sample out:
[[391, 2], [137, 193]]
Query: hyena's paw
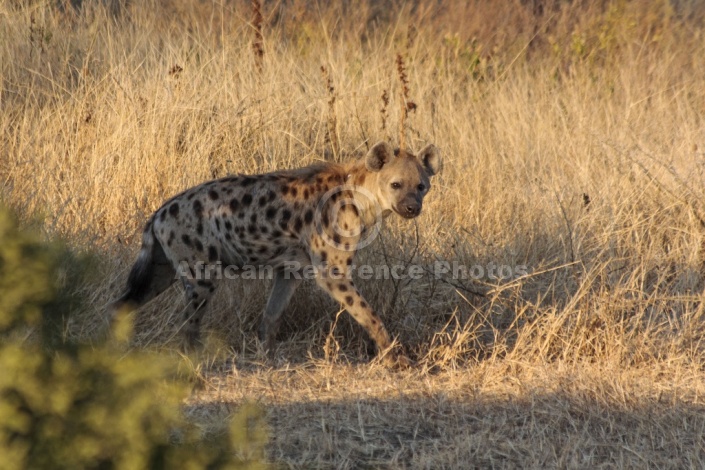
[[269, 351], [266, 352], [267, 342], [191, 341], [401, 362], [397, 360]]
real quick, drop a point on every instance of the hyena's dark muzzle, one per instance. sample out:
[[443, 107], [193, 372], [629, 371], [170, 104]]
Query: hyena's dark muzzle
[[409, 207]]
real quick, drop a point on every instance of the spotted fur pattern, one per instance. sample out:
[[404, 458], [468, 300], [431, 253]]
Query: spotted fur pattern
[[314, 216]]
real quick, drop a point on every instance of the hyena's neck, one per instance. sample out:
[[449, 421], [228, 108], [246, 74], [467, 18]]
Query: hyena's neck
[[364, 191], [317, 183]]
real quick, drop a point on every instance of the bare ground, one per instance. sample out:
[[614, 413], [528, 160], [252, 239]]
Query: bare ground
[[494, 414]]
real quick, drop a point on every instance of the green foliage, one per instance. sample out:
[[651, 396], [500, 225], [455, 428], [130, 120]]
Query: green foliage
[[468, 55], [606, 35], [74, 406], [25, 276]]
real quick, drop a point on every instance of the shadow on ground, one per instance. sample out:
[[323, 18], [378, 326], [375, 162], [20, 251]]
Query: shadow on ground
[[422, 421]]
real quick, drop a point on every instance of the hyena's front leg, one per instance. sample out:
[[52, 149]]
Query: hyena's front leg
[[337, 282]]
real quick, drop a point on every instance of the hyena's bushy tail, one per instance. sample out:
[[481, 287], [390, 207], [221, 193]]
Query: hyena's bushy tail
[[150, 275], [141, 273]]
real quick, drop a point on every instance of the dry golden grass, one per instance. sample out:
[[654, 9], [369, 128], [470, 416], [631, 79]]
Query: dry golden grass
[[573, 140]]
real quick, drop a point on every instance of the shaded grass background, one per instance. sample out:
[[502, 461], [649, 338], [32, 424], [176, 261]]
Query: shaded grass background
[[572, 134]]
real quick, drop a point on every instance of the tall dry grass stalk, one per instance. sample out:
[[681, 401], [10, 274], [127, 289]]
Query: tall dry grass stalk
[[384, 111], [405, 104], [258, 42], [573, 144], [331, 137]]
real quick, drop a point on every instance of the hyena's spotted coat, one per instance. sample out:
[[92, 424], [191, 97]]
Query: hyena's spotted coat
[[312, 216]]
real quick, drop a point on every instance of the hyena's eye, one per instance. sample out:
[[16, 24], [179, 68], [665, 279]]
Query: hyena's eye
[[421, 187], [396, 185]]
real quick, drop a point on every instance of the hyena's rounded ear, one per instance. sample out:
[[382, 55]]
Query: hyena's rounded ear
[[378, 156], [430, 158]]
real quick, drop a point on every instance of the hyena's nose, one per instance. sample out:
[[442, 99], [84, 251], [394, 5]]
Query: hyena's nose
[[412, 209]]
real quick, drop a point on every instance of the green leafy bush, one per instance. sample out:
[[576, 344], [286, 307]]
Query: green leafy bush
[[73, 406]]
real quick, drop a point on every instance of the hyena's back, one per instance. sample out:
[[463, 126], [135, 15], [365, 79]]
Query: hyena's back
[[245, 219]]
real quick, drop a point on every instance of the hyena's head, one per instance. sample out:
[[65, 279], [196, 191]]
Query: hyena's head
[[402, 179]]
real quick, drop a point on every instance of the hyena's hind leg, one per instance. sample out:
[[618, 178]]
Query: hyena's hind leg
[[151, 275], [197, 290]]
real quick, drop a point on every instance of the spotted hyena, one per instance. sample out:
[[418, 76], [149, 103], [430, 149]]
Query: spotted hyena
[[317, 217]]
